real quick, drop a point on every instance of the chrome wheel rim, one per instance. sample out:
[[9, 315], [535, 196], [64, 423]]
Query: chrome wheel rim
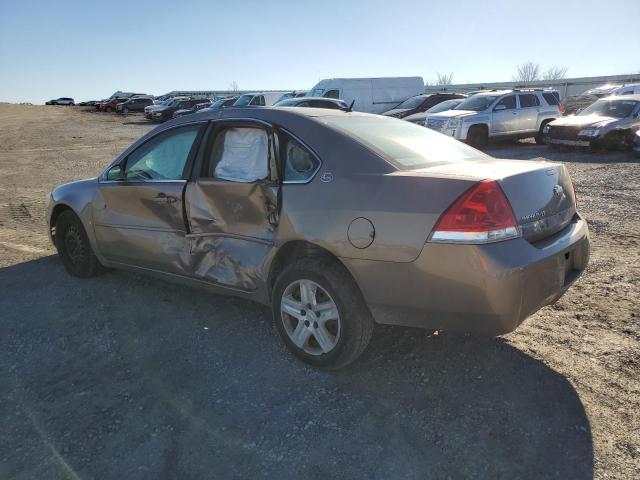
[[310, 317]]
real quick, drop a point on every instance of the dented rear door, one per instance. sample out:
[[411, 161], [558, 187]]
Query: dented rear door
[[232, 205]]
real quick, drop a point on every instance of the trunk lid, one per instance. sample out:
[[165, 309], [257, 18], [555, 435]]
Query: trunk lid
[[542, 199], [540, 193]]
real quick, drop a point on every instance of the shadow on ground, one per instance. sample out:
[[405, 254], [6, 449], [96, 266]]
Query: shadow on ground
[[125, 377]]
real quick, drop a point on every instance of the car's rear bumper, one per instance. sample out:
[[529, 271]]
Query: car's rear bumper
[[489, 288]]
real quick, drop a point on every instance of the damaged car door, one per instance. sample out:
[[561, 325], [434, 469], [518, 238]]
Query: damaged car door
[[232, 205], [138, 212]]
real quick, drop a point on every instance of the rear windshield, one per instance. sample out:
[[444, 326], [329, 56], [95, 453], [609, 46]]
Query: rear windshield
[[551, 98], [405, 145]]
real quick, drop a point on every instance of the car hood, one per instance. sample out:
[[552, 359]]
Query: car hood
[[416, 117], [584, 121], [454, 113], [395, 111]]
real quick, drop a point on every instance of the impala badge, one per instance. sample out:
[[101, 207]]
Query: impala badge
[[327, 177]]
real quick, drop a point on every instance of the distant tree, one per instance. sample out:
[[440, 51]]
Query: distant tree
[[527, 72], [233, 86], [444, 79], [555, 73]]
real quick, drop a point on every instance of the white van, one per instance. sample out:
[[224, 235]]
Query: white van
[[262, 99], [372, 95]]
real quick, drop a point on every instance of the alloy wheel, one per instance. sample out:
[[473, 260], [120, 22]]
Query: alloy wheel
[[310, 317]]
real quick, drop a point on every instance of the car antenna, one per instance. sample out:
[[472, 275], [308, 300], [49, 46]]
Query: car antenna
[[350, 109]]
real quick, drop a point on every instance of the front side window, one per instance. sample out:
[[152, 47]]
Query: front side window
[[335, 93], [528, 100], [240, 154], [162, 158], [299, 163], [508, 102]]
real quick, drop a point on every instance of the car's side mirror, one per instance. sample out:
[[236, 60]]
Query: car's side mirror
[[499, 107], [115, 173]]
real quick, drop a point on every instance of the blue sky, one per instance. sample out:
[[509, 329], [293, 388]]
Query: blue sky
[[89, 49]]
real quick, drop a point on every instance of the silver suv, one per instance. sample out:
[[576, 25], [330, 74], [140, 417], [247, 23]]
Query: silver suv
[[499, 114]]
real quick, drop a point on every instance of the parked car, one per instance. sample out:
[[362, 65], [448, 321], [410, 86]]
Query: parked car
[[165, 112], [188, 111], [110, 105], [88, 103], [293, 94], [61, 101], [134, 104], [630, 89], [610, 122], [313, 102], [499, 114], [353, 219], [223, 103], [148, 111], [420, 103], [265, 99], [421, 118], [373, 95]]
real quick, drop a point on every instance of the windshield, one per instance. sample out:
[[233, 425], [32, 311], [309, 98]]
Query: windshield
[[611, 108], [289, 102], [405, 145], [316, 92], [413, 102], [444, 106], [244, 100], [166, 102], [477, 103]]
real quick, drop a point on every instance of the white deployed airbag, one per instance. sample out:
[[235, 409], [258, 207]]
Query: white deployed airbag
[[244, 155]]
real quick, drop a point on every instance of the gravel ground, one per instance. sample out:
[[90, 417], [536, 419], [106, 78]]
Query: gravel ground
[[122, 376]]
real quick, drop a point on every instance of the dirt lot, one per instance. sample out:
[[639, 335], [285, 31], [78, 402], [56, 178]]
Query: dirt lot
[[121, 376]]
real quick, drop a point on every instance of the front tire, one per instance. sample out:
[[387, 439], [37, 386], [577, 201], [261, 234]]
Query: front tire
[[320, 313], [540, 137], [478, 137], [74, 247]]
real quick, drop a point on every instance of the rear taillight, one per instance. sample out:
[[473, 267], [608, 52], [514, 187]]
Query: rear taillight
[[561, 108], [481, 214]]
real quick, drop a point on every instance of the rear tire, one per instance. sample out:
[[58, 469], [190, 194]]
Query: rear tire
[[335, 326], [74, 247], [477, 136]]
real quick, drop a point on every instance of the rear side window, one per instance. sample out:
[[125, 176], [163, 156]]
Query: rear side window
[[551, 99], [240, 155], [299, 163], [258, 101], [528, 100]]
